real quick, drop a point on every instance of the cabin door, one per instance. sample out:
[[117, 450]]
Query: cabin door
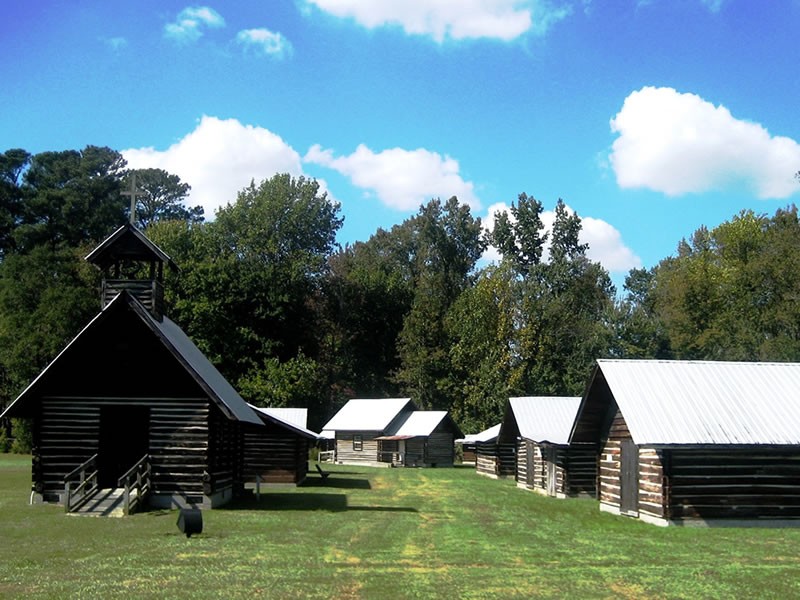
[[550, 469], [629, 477], [124, 439]]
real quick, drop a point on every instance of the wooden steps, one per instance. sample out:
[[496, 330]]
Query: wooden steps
[[103, 503]]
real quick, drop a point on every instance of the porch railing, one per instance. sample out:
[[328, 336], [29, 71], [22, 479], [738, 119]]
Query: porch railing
[[80, 483], [136, 485]]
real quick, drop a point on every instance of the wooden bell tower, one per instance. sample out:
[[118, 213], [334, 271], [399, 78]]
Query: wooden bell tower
[[130, 261]]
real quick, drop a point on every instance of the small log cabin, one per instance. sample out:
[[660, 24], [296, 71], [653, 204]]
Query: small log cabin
[[546, 464], [695, 442], [277, 452], [133, 385], [425, 439], [494, 458], [358, 425], [469, 450]]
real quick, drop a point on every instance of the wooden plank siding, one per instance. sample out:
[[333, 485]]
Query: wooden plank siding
[[441, 449], [369, 447]]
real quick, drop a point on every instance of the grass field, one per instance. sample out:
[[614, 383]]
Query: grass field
[[383, 533]]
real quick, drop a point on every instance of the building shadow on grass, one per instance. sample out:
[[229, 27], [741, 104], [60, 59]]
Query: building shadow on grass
[[337, 482], [312, 502]]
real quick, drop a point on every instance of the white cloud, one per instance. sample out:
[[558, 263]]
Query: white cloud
[[263, 41], [401, 179], [451, 19], [219, 158], [679, 143], [190, 23], [605, 241]]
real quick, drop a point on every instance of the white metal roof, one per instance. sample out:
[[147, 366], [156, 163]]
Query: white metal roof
[[705, 402], [421, 423], [487, 435], [361, 414], [291, 418], [545, 418], [296, 416]]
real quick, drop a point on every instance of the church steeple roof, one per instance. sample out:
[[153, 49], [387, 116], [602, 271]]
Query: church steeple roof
[[127, 243]]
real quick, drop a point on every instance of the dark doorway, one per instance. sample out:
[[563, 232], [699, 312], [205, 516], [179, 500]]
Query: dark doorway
[[629, 477], [124, 439]]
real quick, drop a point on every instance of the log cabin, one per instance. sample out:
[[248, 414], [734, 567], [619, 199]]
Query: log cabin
[[540, 427], [695, 442], [358, 425], [132, 396], [277, 452], [425, 439], [469, 450], [495, 459]]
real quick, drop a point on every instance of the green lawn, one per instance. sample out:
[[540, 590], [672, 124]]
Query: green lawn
[[383, 533]]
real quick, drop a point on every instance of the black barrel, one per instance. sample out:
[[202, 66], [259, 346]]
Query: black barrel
[[190, 521]]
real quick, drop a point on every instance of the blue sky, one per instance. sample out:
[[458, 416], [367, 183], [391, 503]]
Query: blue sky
[[649, 118]]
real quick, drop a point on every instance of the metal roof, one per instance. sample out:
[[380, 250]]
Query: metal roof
[[203, 371], [487, 435], [362, 414], [291, 418], [421, 423], [127, 240], [296, 416], [545, 418], [705, 402]]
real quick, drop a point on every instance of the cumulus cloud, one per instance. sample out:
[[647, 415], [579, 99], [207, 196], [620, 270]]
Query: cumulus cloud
[[446, 19], [264, 42], [679, 143], [401, 179], [605, 241], [219, 158], [191, 22]]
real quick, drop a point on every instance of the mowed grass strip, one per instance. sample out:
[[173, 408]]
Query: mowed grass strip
[[383, 533]]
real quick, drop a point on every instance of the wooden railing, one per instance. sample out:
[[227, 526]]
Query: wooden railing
[[84, 480], [136, 484]]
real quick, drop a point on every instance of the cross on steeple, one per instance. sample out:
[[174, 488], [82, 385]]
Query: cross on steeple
[[133, 192]]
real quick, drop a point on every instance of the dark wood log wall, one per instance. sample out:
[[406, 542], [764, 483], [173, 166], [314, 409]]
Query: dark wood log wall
[[274, 454], [576, 468], [441, 449], [496, 460], [226, 456], [582, 470], [737, 482], [416, 452], [468, 453], [68, 432]]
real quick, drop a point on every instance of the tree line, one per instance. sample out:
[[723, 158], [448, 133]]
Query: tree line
[[291, 318]]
